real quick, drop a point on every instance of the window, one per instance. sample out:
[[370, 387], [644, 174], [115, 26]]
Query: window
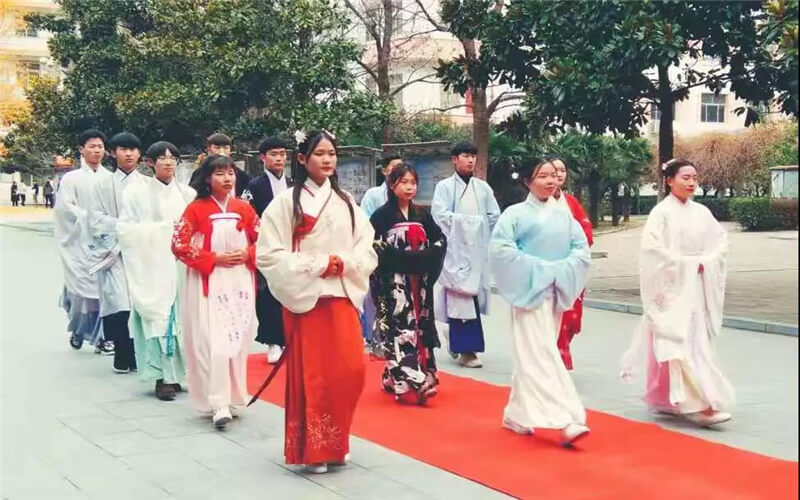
[[712, 108], [448, 98], [26, 69], [24, 29]]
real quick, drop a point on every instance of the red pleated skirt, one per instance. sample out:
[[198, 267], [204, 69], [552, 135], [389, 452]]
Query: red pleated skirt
[[570, 326], [324, 379]]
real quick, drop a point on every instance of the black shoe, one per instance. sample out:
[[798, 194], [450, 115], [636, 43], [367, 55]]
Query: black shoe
[[76, 342], [120, 364], [177, 387], [164, 392]]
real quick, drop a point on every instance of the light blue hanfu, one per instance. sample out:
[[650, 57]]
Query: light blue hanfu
[[466, 211], [374, 198], [539, 258]]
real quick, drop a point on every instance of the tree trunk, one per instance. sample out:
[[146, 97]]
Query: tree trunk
[[480, 131], [615, 207], [594, 198], [666, 141], [626, 204]]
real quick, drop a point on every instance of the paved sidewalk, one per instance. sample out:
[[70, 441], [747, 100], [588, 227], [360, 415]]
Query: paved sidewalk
[[73, 429], [762, 272]]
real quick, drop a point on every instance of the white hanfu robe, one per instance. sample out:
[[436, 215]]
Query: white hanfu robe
[[682, 309], [105, 258], [218, 303], [466, 213], [155, 278], [539, 258], [81, 294]]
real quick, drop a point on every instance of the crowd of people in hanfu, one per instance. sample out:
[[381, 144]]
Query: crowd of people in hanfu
[[175, 281]]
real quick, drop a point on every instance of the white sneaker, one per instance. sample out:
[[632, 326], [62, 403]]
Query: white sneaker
[[237, 411], [470, 363], [572, 433], [707, 420], [221, 418], [317, 468], [274, 354], [519, 429]]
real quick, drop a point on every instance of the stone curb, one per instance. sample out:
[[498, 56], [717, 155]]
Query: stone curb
[[727, 321]]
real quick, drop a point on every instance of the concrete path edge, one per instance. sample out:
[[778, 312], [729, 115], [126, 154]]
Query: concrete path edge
[[727, 321]]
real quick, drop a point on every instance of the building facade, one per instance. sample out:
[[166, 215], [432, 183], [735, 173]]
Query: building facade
[[23, 53]]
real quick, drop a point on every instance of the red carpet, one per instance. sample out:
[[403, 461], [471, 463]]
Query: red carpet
[[460, 431]]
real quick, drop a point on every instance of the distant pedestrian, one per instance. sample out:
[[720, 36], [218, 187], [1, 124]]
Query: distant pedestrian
[[35, 190], [21, 194], [48, 193], [14, 194]]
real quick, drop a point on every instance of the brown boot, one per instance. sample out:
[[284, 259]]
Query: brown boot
[[164, 392]]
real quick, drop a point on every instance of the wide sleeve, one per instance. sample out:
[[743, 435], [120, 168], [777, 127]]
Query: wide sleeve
[[715, 272], [252, 225], [103, 245], [149, 264], [68, 217], [492, 208], [184, 245], [427, 261], [521, 278], [571, 272], [294, 277]]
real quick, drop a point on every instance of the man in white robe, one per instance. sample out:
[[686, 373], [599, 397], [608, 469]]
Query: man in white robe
[[149, 212], [80, 297], [105, 257], [466, 210]]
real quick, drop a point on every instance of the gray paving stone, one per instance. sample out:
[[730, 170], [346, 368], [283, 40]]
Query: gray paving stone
[[94, 427], [124, 485]]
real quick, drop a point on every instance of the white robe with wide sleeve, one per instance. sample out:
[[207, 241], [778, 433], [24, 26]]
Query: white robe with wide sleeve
[[71, 228], [294, 277], [540, 259], [682, 307], [144, 231], [466, 213]]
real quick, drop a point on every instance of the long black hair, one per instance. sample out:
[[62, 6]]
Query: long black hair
[[206, 170], [307, 147], [394, 177]]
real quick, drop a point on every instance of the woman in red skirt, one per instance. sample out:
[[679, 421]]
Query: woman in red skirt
[[315, 250]]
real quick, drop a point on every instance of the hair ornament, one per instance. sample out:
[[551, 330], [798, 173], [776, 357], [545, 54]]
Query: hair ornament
[[515, 175], [300, 137], [329, 134]]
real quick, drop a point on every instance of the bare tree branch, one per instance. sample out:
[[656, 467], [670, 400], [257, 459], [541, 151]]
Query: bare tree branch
[[369, 26], [505, 96], [408, 83], [370, 71], [436, 24]]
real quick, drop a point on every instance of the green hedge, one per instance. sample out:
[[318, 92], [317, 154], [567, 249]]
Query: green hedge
[[720, 207], [763, 214]]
